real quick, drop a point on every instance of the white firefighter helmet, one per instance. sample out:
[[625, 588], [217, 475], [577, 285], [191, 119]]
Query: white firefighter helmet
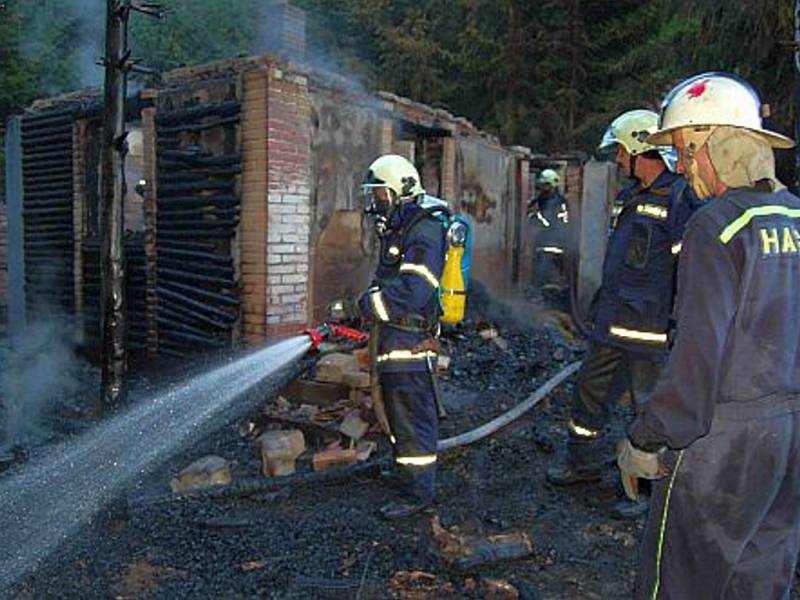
[[713, 99], [548, 176], [631, 130], [396, 173]]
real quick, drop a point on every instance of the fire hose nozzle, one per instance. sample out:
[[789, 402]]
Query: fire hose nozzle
[[319, 333]]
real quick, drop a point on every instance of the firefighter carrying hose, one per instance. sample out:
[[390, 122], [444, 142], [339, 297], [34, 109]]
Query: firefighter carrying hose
[[403, 304], [548, 212], [724, 418], [633, 307]]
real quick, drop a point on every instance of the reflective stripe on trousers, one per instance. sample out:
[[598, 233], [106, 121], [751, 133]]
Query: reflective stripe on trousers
[[405, 356], [652, 337]]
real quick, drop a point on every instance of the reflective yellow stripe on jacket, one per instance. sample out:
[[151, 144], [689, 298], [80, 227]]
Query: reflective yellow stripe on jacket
[[422, 271], [653, 210], [378, 305]]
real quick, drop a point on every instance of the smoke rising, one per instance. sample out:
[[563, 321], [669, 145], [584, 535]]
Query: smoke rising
[[39, 372], [64, 38]]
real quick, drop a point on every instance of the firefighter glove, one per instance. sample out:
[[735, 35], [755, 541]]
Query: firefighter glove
[[343, 310], [635, 464]]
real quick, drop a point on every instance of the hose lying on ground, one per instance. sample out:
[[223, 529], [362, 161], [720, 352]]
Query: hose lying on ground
[[253, 486], [499, 422]]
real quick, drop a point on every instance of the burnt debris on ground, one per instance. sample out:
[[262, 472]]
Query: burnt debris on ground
[[321, 537]]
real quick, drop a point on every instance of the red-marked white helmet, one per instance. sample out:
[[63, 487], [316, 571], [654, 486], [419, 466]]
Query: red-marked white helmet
[[714, 99]]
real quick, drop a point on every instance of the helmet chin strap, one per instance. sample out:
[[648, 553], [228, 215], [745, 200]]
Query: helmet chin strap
[[700, 187], [632, 167]]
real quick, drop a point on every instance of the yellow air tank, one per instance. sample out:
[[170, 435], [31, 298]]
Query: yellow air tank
[[454, 290]]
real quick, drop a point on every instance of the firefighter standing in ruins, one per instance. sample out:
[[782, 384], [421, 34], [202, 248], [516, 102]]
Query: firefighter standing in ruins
[[548, 212], [633, 306], [724, 419], [403, 306]]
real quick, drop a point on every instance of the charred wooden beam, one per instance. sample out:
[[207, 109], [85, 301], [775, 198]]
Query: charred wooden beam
[[46, 211], [223, 282], [198, 200], [168, 324], [187, 315], [215, 316], [194, 127], [200, 211], [175, 189], [47, 115], [231, 107], [45, 166], [197, 175], [49, 139], [192, 338], [199, 292], [172, 160], [176, 234], [197, 224], [204, 257], [193, 245]]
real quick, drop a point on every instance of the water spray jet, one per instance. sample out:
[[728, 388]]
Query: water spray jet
[[55, 495]]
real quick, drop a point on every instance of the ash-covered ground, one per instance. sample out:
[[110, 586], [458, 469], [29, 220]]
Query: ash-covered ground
[[327, 541]]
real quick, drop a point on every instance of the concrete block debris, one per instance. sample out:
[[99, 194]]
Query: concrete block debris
[[279, 451], [364, 450], [202, 473], [467, 551], [362, 358], [332, 367], [317, 393], [333, 456], [357, 381], [353, 426]]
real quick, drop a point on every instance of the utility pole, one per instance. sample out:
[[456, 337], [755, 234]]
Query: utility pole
[[113, 306]]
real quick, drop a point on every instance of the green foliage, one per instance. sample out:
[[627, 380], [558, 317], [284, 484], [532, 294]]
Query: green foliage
[[195, 32], [550, 74]]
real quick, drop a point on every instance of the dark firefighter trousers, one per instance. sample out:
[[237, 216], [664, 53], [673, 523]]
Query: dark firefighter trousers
[[411, 410], [604, 371], [726, 523]]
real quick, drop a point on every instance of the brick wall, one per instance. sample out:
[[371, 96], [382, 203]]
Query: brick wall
[[288, 202], [253, 227]]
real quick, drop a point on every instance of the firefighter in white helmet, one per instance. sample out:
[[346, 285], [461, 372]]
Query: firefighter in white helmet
[[548, 213], [723, 422], [633, 306], [403, 307]]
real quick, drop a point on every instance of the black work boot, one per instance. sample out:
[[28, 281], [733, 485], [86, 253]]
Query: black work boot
[[630, 509], [400, 509], [582, 462]]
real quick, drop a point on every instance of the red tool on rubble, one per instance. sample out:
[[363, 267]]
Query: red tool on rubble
[[325, 331]]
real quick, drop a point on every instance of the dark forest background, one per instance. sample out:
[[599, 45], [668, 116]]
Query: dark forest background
[[548, 74]]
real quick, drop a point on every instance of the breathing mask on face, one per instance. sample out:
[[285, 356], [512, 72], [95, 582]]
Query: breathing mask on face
[[379, 204]]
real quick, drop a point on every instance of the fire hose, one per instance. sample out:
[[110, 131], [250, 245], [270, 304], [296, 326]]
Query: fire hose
[[249, 487]]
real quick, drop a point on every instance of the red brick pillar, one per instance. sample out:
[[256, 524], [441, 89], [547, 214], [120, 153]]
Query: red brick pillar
[[289, 202]]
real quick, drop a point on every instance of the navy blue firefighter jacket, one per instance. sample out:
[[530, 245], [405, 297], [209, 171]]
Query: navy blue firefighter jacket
[[737, 347], [404, 295], [633, 307]]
